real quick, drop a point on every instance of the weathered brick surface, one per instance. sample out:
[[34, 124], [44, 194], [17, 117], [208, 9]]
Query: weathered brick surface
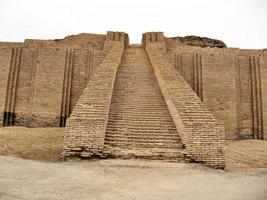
[[5, 56], [41, 82], [263, 79], [49, 77], [11, 44], [45, 78], [221, 103], [86, 128], [235, 106], [154, 37], [229, 81], [200, 132], [11, 86], [115, 36], [249, 97], [25, 83]]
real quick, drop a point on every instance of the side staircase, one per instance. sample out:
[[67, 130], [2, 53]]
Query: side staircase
[[139, 124]]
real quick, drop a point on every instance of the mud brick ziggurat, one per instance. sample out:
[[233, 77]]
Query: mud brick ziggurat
[[163, 99]]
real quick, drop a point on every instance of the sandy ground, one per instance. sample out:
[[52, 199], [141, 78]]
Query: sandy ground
[[30, 169], [125, 179], [45, 144], [32, 143], [246, 155]]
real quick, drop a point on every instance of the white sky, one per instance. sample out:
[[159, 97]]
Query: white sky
[[239, 23]]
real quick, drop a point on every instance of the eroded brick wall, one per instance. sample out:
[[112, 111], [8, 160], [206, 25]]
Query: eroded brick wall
[[199, 130]]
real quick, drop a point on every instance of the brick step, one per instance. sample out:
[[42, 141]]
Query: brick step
[[144, 117], [138, 121], [144, 122], [141, 112], [148, 127], [143, 125], [140, 133], [141, 107], [149, 149], [162, 142], [143, 129], [126, 120], [143, 141], [149, 115], [174, 155], [145, 105], [144, 136], [152, 133], [144, 145], [151, 97], [148, 104]]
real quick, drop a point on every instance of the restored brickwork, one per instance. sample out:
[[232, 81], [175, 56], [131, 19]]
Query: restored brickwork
[[229, 82], [200, 132], [12, 87], [86, 127], [25, 86], [139, 124], [223, 102], [45, 78], [249, 95], [154, 37], [152, 101], [5, 57], [264, 93], [190, 67], [49, 77]]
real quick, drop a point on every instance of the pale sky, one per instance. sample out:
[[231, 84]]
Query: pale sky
[[239, 23]]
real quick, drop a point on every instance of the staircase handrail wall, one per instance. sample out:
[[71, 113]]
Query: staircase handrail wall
[[201, 134], [85, 129]]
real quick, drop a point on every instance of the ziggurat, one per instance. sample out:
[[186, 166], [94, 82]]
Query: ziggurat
[[161, 99]]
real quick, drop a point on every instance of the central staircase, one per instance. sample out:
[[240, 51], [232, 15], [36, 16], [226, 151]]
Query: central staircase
[[139, 124]]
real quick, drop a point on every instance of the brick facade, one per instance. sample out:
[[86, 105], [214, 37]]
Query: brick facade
[[151, 101], [231, 83]]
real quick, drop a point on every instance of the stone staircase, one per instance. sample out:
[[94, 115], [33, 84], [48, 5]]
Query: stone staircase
[[139, 124]]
